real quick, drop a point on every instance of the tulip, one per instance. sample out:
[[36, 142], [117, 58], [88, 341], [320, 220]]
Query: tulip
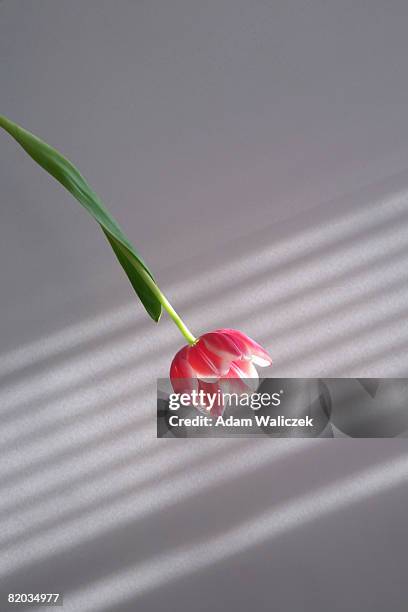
[[218, 360]]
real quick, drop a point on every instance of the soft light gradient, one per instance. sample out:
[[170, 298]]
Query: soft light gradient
[[257, 155]]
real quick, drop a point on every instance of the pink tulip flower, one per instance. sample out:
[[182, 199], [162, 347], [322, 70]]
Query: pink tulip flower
[[218, 360]]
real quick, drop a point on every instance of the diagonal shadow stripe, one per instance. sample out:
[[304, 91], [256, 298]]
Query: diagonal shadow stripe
[[79, 450], [146, 477], [389, 327], [365, 330], [357, 331], [123, 540], [392, 280], [131, 506], [179, 563], [369, 328], [151, 475], [373, 358], [394, 185], [288, 295]]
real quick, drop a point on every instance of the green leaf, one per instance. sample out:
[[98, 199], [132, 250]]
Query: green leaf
[[69, 176]]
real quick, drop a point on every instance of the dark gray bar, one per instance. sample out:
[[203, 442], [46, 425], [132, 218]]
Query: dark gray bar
[[286, 408]]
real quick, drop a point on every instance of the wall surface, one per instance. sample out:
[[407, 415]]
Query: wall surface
[[257, 155]]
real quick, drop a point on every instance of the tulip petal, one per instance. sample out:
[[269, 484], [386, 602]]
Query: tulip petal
[[263, 361], [206, 365], [241, 345], [182, 375], [247, 372], [258, 354], [221, 344]]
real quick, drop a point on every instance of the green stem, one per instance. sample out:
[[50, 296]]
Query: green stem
[[176, 318]]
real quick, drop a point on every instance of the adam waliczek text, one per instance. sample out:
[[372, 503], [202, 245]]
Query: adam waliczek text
[[231, 421]]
